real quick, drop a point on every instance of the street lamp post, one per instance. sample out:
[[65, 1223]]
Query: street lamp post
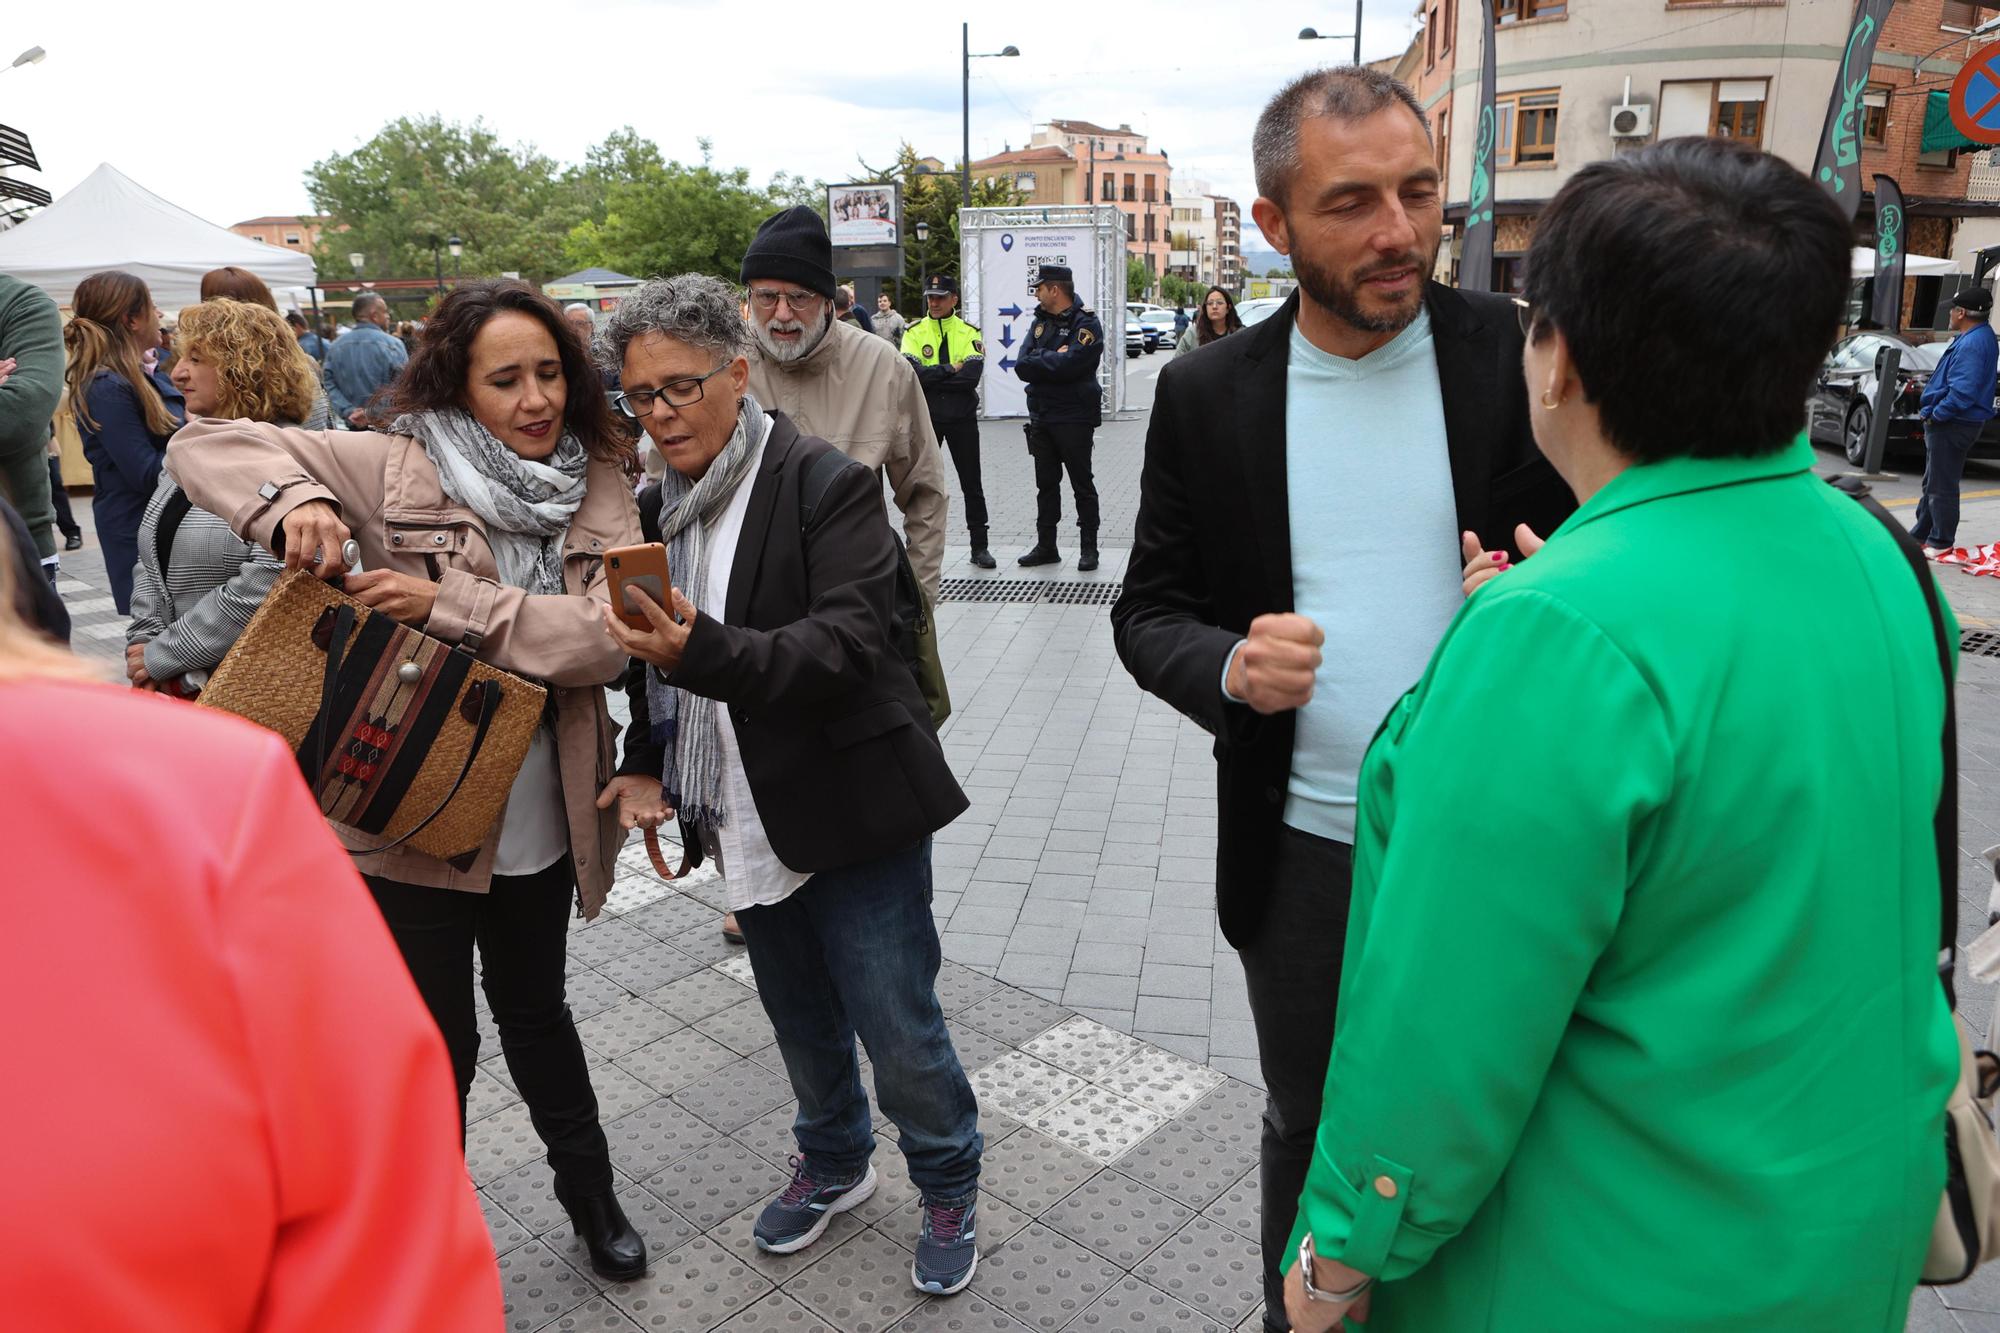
[[923, 256], [966, 57], [1315, 35], [437, 265], [457, 247]]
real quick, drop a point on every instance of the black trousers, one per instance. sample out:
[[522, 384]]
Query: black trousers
[[962, 438], [59, 496], [1293, 972], [1059, 449], [521, 928]]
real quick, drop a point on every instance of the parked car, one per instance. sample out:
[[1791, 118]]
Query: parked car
[[1258, 308], [1135, 337], [1158, 325], [1842, 408]]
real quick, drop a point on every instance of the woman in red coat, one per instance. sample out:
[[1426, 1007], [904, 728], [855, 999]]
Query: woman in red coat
[[226, 1107]]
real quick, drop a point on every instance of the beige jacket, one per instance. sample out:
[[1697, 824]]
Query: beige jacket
[[859, 393], [388, 493]]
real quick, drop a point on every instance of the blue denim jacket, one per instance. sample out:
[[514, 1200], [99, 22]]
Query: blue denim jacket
[[358, 364], [1962, 387]]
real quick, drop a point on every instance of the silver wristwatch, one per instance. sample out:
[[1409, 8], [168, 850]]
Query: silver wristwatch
[[1306, 1257]]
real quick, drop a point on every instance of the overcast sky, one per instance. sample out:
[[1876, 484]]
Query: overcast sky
[[221, 105]]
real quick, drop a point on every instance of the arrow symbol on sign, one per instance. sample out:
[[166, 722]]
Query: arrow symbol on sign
[[1010, 311], [1007, 335], [1008, 363]]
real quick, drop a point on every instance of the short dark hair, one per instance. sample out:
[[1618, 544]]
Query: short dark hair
[[1348, 92], [295, 319], [366, 302], [237, 284], [436, 373], [1700, 268]]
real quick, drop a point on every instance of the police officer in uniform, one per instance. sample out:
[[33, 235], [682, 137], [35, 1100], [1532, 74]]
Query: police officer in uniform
[[1059, 364], [949, 358]]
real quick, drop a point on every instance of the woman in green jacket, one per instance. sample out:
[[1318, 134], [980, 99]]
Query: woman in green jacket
[[1640, 1029]]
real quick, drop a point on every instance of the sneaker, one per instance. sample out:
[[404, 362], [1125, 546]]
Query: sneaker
[[1949, 555], [73, 542], [799, 1216], [946, 1253]]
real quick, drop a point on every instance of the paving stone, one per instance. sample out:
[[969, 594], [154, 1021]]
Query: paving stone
[[1241, 1207], [650, 968], [1097, 1123], [1126, 930], [1233, 1114], [1100, 991], [1175, 980], [696, 1287], [1188, 1048], [1162, 1082], [979, 920], [596, 1315], [1029, 971], [487, 1095], [499, 1143], [1032, 1171], [618, 1092], [743, 1028], [867, 1291], [735, 1094], [588, 993], [605, 939], [664, 1229], [539, 1287], [673, 914], [1043, 910], [1131, 1306], [775, 1313], [1042, 1279], [974, 950], [738, 1236], [1210, 1268], [1185, 1166], [656, 1136], [507, 1233], [737, 967], [960, 987], [1084, 1048], [695, 997], [975, 1049], [1118, 1218], [626, 1026], [963, 1313], [1022, 1086], [676, 1060], [709, 1186], [705, 943]]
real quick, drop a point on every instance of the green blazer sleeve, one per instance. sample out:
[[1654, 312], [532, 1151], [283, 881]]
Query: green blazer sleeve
[[1542, 755]]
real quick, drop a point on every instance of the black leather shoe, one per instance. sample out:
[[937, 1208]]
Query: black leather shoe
[[617, 1250], [982, 557], [73, 542], [1043, 554], [1089, 560]]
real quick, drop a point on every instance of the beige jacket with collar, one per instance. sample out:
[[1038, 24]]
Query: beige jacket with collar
[[857, 392], [388, 493]]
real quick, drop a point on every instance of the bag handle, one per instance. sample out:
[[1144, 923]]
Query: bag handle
[[336, 650], [1944, 828], [660, 860]]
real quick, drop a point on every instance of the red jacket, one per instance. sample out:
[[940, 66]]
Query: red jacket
[[226, 1106]]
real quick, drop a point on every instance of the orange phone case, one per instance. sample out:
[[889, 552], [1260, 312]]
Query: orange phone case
[[643, 567]]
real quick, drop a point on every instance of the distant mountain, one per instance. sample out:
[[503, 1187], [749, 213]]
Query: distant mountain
[[1257, 261]]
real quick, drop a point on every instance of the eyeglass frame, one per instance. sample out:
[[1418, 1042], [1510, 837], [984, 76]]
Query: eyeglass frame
[[1525, 312], [767, 300], [622, 399]]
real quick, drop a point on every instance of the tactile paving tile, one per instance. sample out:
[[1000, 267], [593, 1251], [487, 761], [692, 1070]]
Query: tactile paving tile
[[708, 1186], [618, 1093], [1162, 1081], [1133, 1307], [664, 1229], [1022, 1086], [1084, 1047], [1093, 1121], [1232, 1114], [499, 1143], [963, 1313], [605, 939], [737, 968], [866, 1288], [487, 1095], [894, 1192], [770, 1135], [671, 915], [538, 1286], [743, 1028], [704, 885], [960, 987], [633, 889], [1032, 1172], [1042, 1279], [735, 1094], [528, 1194], [1014, 1016], [650, 968], [696, 1287], [676, 1060], [1241, 1207], [738, 1236], [626, 1026], [975, 1049], [1118, 1219], [698, 995], [776, 1313], [655, 1137], [507, 1233], [706, 943], [1210, 1268], [597, 1315], [1183, 1165], [591, 992]]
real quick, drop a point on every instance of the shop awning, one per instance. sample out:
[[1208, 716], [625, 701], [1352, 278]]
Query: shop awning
[[1940, 135]]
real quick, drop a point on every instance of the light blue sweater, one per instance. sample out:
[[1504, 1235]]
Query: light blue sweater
[[1374, 542]]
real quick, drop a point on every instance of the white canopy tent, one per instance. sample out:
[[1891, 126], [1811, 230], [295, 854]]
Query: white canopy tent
[[1914, 266], [111, 221]]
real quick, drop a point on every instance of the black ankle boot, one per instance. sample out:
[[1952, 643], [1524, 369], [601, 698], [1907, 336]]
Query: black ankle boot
[[1088, 560], [617, 1250], [982, 557], [1042, 553]]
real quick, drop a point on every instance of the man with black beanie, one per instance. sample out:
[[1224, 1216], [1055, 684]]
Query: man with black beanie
[[834, 381]]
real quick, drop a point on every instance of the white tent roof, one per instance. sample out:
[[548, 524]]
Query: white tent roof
[[1914, 266], [111, 221]]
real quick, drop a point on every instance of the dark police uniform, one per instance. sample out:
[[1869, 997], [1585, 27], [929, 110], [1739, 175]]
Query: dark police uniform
[[934, 347], [1059, 364]]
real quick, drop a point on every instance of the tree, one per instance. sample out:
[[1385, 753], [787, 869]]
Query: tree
[[932, 198], [1277, 273], [1138, 279], [671, 217], [1182, 291]]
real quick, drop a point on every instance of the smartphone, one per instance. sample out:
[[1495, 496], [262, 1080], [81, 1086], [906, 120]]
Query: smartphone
[[643, 567]]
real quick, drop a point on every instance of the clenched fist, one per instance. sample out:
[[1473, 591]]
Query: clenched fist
[[1273, 668]]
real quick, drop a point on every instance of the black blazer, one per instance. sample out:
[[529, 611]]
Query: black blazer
[[836, 739], [1212, 548]]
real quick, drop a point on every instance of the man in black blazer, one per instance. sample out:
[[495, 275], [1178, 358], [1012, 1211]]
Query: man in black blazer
[[1312, 488]]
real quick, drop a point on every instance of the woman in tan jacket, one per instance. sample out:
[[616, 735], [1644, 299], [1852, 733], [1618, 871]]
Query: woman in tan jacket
[[482, 515]]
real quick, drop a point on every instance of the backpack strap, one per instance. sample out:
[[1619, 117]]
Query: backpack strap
[[1945, 823], [818, 480]]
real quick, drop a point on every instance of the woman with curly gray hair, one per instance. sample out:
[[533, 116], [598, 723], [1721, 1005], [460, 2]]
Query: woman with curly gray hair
[[775, 716]]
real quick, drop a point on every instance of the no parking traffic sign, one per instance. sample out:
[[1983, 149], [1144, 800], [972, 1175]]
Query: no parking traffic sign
[[1975, 96]]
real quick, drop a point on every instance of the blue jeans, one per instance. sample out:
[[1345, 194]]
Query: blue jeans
[[855, 952], [1946, 444]]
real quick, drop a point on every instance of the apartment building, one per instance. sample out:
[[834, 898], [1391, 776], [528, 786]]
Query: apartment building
[[293, 233]]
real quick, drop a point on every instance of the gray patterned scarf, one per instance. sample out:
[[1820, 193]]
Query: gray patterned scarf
[[684, 722], [526, 505]]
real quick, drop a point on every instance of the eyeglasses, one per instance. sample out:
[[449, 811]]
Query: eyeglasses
[[1526, 314], [767, 298], [681, 393]]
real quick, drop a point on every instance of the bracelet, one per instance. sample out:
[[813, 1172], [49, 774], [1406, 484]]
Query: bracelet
[[1306, 1258]]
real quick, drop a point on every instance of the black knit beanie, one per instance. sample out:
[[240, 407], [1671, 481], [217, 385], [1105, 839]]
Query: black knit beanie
[[792, 246]]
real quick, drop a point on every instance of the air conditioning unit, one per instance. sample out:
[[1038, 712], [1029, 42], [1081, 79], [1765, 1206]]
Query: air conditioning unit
[[1634, 120]]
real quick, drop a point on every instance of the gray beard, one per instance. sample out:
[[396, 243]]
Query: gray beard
[[782, 352]]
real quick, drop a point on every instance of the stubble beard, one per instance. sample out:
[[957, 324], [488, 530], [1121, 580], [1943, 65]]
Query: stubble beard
[[1343, 300]]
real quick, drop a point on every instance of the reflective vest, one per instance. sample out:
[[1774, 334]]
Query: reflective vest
[[960, 341]]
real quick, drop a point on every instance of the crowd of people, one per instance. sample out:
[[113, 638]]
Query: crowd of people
[[1583, 999]]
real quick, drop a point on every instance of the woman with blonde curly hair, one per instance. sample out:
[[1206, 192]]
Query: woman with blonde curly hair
[[196, 583]]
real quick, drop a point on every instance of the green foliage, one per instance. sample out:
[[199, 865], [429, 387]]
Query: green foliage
[[671, 217], [1277, 273], [1138, 279], [1182, 291], [932, 199]]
